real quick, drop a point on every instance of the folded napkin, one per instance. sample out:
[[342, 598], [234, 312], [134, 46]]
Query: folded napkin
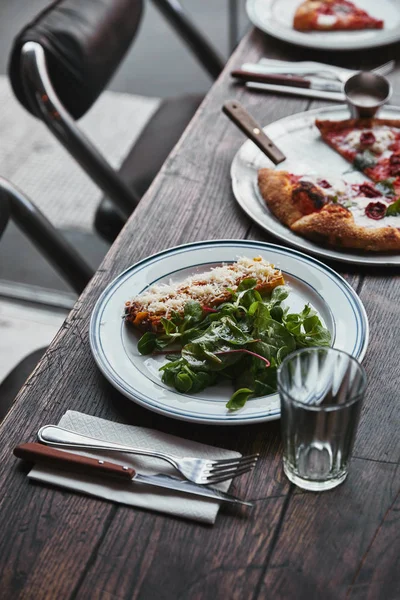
[[173, 503], [264, 65]]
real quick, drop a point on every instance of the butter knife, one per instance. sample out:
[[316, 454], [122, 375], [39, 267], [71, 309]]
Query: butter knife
[[312, 83], [46, 455]]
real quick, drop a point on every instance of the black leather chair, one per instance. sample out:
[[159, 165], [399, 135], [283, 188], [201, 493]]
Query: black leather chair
[[72, 267], [61, 62]]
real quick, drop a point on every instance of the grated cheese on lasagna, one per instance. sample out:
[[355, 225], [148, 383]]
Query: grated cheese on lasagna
[[209, 289]]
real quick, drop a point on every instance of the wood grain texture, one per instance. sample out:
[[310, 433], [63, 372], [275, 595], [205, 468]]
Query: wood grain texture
[[378, 435], [325, 538], [174, 568], [55, 544]]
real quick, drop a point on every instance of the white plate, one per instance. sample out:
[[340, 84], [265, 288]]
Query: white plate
[[276, 18], [114, 345], [306, 152]]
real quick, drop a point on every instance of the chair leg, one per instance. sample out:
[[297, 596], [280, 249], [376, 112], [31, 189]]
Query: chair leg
[[233, 25], [46, 237], [201, 48]]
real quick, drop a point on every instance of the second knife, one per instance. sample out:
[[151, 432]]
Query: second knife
[[312, 83]]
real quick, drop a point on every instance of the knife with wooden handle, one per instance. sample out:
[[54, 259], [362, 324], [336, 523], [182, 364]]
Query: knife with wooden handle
[[76, 463], [242, 119], [312, 83], [295, 80]]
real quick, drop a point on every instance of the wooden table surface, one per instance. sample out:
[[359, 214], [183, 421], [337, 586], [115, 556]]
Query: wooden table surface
[[338, 544]]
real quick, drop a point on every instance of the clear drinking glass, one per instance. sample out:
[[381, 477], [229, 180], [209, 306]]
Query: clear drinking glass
[[321, 391]]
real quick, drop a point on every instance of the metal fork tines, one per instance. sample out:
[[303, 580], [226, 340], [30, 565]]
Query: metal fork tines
[[198, 470]]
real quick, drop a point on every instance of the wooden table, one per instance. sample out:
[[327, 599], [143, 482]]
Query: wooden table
[[338, 544]]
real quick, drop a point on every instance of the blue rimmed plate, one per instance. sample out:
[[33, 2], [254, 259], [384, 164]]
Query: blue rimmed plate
[[114, 345]]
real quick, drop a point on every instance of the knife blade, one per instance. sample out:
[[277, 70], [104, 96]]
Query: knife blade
[[312, 83], [34, 452], [288, 90]]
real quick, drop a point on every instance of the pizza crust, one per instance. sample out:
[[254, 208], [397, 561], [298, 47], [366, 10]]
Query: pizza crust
[[326, 126], [276, 190], [304, 16], [332, 225]]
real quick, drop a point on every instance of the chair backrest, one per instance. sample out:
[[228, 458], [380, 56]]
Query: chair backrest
[[84, 42]]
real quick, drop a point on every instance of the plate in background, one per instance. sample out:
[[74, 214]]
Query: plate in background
[[301, 142], [276, 18]]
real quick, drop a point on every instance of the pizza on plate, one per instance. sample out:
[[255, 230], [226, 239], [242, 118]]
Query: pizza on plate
[[371, 145], [339, 214], [333, 15]]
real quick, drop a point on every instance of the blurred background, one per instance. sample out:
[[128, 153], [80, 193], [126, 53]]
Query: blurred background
[[34, 300], [158, 64]]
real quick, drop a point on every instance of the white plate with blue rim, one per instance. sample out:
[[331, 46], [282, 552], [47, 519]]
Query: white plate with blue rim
[[114, 344], [275, 17]]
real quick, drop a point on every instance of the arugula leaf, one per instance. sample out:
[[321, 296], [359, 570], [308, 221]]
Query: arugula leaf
[[239, 398], [279, 294], [364, 160], [277, 313], [246, 284], [393, 210], [147, 343], [183, 382], [169, 326]]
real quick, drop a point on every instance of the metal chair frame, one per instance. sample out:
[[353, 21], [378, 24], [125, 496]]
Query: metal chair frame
[[62, 255], [48, 107]]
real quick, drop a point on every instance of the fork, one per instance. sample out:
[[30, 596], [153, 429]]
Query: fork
[[198, 470], [333, 72], [384, 69]]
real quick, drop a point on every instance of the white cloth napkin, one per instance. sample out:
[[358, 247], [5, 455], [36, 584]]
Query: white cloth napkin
[[264, 65], [135, 494]]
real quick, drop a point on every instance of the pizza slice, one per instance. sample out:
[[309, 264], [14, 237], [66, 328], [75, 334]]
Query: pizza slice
[[371, 145], [339, 214], [333, 15]]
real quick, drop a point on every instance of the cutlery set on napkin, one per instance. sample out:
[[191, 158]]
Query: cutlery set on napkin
[[135, 466], [305, 78]]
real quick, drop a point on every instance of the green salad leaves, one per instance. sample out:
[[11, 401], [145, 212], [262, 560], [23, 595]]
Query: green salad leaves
[[243, 340]]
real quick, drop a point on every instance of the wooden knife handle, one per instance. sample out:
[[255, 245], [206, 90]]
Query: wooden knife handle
[[239, 115], [46, 455], [271, 78]]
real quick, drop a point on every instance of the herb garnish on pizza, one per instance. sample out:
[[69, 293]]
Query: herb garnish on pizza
[[333, 15], [371, 145], [339, 214]]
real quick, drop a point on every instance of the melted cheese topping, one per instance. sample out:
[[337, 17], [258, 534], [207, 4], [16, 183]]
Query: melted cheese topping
[[326, 20], [205, 288], [384, 137], [358, 206], [356, 203]]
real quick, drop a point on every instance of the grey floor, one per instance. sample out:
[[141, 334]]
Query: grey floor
[[158, 65]]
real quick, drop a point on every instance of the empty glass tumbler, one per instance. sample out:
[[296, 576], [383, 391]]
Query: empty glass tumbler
[[321, 391]]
